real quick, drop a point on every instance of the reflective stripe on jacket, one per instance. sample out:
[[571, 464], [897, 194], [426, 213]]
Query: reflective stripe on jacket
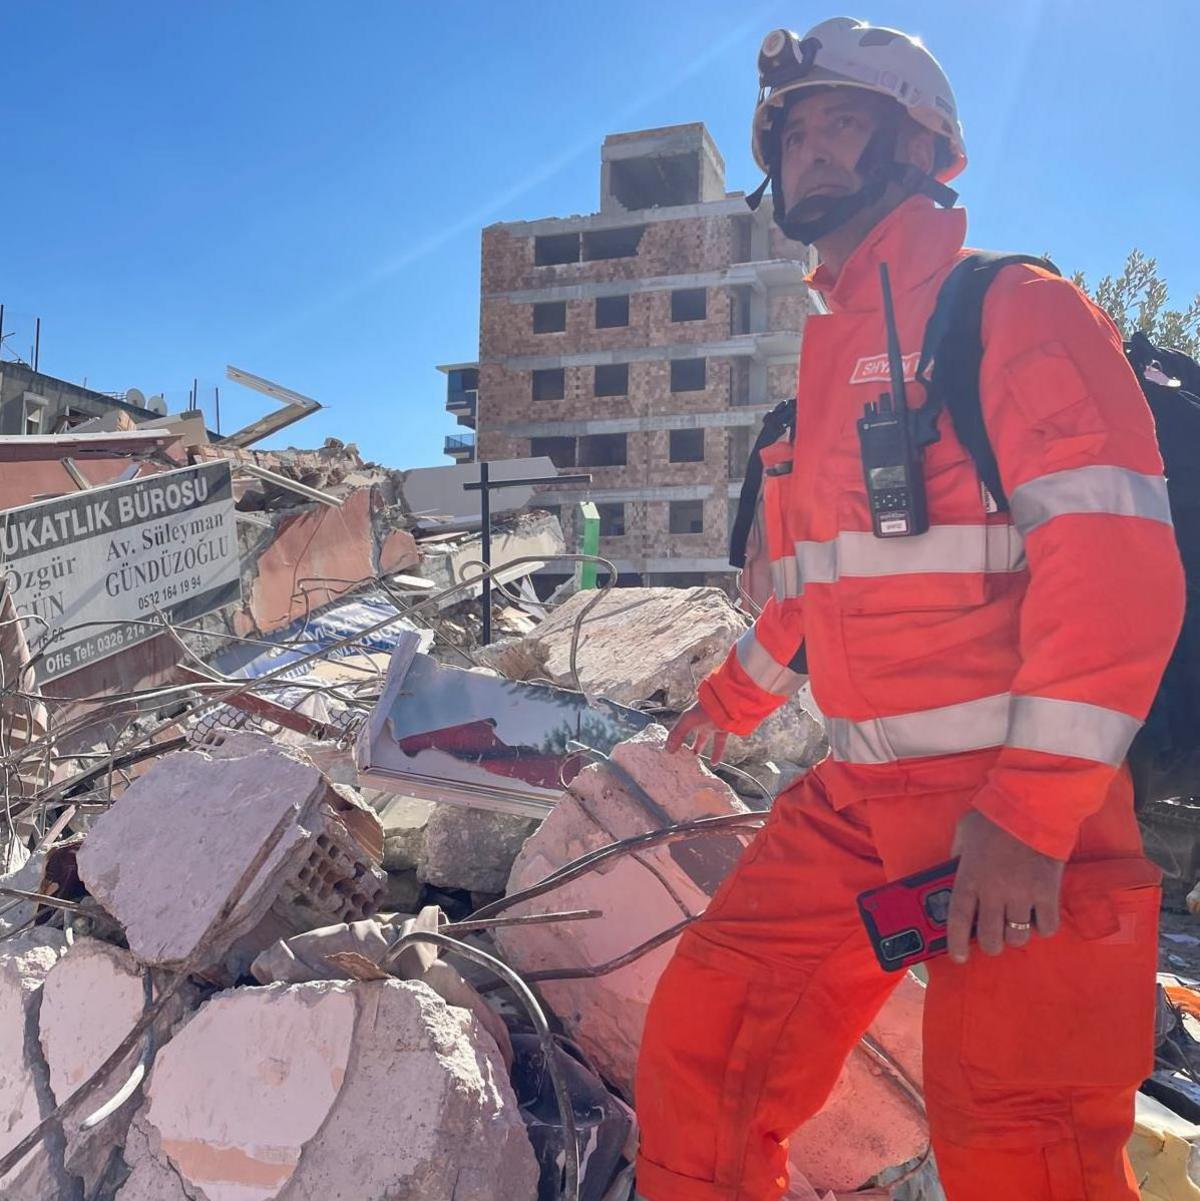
[[1022, 648]]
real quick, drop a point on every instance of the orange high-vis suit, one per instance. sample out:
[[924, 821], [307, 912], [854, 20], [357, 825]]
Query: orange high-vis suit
[[1003, 662]]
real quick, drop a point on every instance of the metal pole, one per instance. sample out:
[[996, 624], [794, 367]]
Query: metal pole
[[195, 395], [37, 342], [485, 517], [217, 398], [1, 327]]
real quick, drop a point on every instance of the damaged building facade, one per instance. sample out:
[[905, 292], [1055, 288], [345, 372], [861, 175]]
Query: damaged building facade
[[643, 344]]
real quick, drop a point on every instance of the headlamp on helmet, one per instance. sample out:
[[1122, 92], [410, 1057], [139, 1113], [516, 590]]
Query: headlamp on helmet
[[785, 58]]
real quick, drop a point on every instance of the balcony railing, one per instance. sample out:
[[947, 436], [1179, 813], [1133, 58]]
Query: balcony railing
[[460, 447]]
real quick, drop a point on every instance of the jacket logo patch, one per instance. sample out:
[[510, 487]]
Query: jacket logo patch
[[874, 368]]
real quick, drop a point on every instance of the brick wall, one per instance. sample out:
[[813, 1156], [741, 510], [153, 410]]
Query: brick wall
[[667, 248]]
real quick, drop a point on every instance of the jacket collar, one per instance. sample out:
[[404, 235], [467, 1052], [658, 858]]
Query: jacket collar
[[916, 240]]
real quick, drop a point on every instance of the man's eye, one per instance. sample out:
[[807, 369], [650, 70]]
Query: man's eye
[[792, 138], [847, 121]]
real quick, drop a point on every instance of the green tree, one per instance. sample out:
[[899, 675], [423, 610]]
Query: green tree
[[1137, 299]]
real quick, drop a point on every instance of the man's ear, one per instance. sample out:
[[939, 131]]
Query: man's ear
[[917, 146]]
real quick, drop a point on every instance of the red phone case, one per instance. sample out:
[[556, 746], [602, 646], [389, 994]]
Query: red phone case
[[906, 919]]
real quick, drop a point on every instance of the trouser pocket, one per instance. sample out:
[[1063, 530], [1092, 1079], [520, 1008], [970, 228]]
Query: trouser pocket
[[1075, 1010]]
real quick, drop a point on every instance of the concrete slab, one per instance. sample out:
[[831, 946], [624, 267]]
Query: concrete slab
[[288, 1093], [25, 1097], [636, 644]]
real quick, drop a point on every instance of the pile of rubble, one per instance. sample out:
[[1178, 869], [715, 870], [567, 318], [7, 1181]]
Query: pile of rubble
[[338, 901]]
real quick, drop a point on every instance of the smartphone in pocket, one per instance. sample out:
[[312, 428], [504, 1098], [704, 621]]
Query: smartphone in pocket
[[906, 919]]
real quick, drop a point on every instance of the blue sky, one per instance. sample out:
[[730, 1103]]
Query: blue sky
[[298, 188]]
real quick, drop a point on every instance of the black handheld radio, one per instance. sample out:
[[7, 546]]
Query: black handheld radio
[[893, 462]]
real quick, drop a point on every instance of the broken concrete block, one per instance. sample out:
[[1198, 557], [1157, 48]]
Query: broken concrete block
[[644, 894], [870, 1120], [472, 849], [636, 644], [25, 1097], [791, 735], [91, 999], [401, 893], [525, 536], [640, 895], [291, 1092], [164, 859], [404, 819], [350, 952], [25, 873], [1165, 1153]]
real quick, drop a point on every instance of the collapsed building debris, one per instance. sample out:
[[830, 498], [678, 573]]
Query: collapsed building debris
[[255, 866]]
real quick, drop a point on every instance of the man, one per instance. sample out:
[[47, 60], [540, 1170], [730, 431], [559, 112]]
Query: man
[[981, 681]]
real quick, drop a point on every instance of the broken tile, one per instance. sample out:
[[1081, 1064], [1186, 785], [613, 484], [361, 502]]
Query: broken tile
[[291, 1092]]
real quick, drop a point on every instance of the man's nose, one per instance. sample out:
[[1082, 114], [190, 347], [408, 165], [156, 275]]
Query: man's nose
[[814, 153]]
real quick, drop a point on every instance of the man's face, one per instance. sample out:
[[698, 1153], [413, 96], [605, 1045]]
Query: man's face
[[823, 137]]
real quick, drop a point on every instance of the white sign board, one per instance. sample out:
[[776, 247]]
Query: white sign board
[[84, 568]]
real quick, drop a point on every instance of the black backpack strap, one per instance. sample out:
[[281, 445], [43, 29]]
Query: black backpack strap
[[779, 420], [952, 355]]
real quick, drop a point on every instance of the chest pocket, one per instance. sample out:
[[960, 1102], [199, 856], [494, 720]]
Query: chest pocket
[[952, 566]]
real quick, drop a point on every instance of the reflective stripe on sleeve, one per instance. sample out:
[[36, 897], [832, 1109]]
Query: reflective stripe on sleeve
[[1074, 728], [1115, 491], [764, 669], [1033, 723]]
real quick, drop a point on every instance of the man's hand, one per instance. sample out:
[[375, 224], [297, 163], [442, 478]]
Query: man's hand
[[695, 729], [1003, 886]]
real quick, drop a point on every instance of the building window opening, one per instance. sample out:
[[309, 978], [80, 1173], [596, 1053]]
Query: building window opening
[[687, 517], [612, 520], [602, 450], [689, 304], [742, 233], [560, 451], [550, 318], [549, 383], [612, 311], [687, 375], [612, 379], [612, 243], [551, 249], [687, 446]]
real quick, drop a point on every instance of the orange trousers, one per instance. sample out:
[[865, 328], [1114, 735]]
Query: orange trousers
[[1031, 1058]]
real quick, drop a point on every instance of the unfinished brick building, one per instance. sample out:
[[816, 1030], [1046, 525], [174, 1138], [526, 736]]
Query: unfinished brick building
[[642, 343]]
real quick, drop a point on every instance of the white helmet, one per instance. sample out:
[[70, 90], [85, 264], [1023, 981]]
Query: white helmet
[[843, 52]]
